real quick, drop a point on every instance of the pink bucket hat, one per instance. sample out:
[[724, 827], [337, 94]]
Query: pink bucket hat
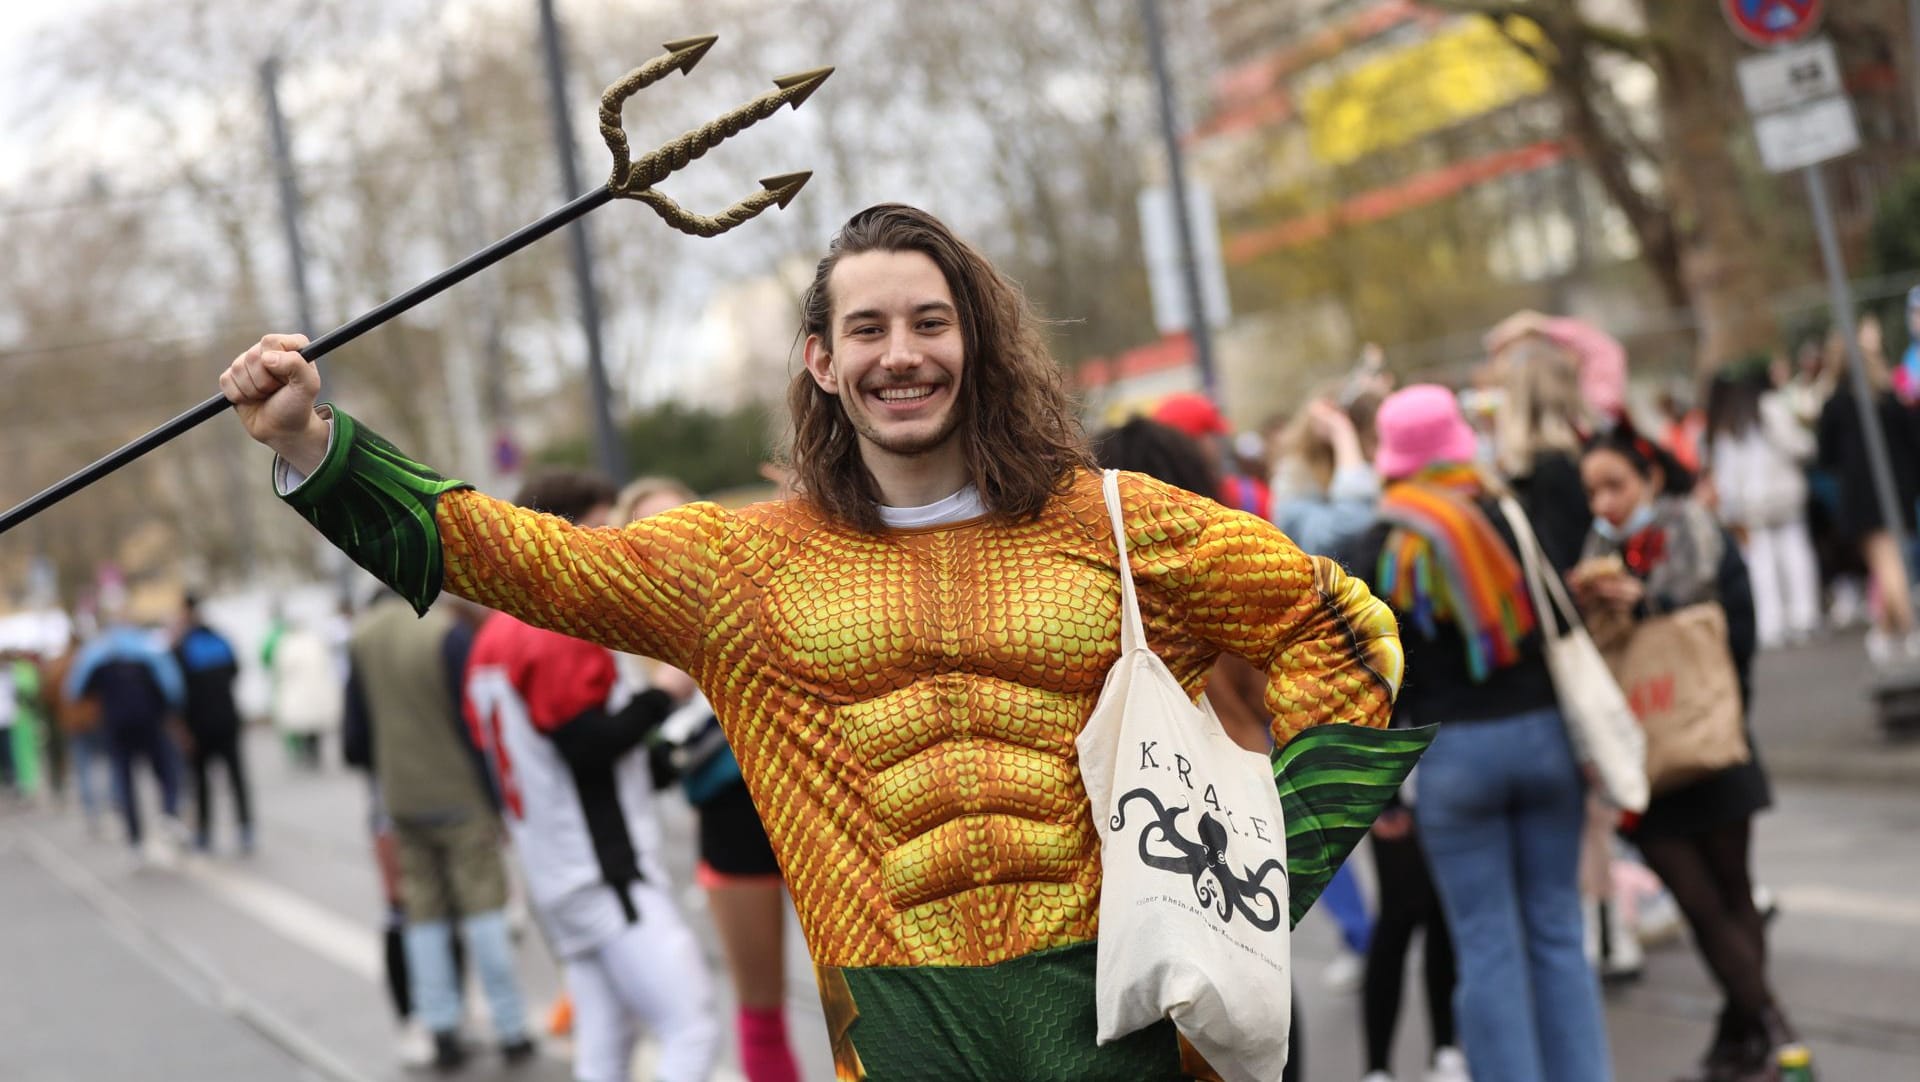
[[1419, 426]]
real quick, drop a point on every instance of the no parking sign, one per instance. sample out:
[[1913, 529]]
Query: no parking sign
[[1767, 23]]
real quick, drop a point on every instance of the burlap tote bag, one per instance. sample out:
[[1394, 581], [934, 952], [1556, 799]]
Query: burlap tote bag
[[1678, 675]]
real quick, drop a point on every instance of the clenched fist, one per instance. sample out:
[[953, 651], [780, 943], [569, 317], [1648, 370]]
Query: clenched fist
[[273, 390]]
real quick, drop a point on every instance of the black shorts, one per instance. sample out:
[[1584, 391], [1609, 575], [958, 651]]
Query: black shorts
[[732, 841]]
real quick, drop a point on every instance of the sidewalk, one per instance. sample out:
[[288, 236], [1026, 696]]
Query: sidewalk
[[1814, 721]]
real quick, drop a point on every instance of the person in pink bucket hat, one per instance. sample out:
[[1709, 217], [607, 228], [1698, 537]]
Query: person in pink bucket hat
[[1418, 427], [1501, 800]]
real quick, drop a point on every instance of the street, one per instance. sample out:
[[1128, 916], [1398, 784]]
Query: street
[[268, 967]]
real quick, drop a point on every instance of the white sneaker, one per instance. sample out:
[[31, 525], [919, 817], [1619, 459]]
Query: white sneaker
[[1449, 1065], [1880, 648], [414, 1047], [1377, 1076], [160, 852], [1345, 973]]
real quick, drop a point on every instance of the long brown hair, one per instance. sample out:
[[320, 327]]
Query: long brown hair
[[1022, 439]]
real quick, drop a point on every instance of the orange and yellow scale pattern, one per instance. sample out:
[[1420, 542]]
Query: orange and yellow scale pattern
[[904, 706]]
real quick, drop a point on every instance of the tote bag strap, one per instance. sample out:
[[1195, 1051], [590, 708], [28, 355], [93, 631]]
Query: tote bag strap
[[1133, 635], [1541, 580]]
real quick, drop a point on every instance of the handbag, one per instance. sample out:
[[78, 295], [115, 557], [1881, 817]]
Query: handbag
[[690, 747], [1678, 675], [1600, 722], [1194, 921]]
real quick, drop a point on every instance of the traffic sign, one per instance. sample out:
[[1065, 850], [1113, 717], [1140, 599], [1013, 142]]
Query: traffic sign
[[1160, 238], [1767, 23], [1802, 136], [1794, 75], [1801, 114]]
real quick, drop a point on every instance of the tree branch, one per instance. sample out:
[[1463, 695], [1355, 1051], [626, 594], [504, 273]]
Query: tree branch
[[1584, 31]]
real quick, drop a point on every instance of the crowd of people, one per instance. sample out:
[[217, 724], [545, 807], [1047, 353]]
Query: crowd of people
[[864, 685], [1500, 854], [136, 700]]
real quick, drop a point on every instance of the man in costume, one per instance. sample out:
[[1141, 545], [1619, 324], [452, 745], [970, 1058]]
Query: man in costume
[[903, 655], [577, 794]]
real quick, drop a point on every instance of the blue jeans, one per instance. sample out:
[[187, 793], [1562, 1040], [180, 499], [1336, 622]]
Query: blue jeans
[[1348, 909], [84, 751], [1500, 806], [436, 986]]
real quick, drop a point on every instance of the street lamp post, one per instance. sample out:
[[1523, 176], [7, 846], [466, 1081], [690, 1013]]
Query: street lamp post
[[1177, 185]]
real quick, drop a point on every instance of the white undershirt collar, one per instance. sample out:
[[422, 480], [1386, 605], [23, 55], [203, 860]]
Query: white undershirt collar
[[959, 507]]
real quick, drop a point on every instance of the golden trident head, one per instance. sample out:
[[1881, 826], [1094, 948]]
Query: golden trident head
[[635, 179]]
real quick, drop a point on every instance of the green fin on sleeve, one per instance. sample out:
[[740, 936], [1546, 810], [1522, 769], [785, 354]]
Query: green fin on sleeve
[[1333, 781], [376, 505]]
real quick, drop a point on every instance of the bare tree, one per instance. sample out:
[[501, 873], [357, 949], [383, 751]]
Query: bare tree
[[1697, 232]]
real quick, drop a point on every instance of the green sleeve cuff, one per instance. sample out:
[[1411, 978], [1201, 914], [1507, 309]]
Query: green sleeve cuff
[[377, 505], [1334, 780]]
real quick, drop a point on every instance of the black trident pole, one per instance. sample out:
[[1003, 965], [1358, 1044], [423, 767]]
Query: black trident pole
[[631, 180]]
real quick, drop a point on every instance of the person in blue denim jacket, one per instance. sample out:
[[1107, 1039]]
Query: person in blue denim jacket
[[1325, 490]]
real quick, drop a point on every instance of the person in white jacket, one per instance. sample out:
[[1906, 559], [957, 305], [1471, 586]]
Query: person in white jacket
[[1757, 450], [308, 691]]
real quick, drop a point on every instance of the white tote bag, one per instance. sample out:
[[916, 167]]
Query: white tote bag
[[1193, 894], [1600, 722]]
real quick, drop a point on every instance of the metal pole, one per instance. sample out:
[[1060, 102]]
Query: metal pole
[[289, 194], [606, 438], [1863, 394], [288, 186], [1177, 181], [1913, 61]]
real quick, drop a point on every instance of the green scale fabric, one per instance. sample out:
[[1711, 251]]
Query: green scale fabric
[[376, 505], [1333, 781], [1029, 1018]]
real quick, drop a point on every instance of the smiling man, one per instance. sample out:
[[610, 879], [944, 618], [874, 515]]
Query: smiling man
[[903, 654]]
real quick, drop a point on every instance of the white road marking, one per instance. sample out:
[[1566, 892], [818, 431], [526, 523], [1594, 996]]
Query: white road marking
[[1825, 901], [185, 967], [353, 947]]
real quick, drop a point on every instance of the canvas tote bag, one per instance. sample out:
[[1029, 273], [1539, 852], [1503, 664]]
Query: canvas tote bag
[[1193, 894], [1678, 675], [1605, 734]]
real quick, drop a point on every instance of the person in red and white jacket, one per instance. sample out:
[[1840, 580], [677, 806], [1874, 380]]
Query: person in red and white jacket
[[576, 791]]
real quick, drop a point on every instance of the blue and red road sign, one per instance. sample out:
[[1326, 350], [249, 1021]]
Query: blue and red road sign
[[1772, 22]]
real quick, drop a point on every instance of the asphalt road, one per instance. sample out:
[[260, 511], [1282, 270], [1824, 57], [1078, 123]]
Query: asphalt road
[[268, 968]]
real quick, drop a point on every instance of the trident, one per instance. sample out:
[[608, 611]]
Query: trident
[[630, 180]]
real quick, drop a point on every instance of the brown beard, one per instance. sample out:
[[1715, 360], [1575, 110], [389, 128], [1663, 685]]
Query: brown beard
[[912, 447]]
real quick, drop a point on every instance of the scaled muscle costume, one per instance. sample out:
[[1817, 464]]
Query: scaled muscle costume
[[904, 708]]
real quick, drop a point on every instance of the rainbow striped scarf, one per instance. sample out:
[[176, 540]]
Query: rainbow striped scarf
[[1444, 562]]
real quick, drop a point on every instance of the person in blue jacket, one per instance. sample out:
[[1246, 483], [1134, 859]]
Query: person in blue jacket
[[138, 686], [210, 666]]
